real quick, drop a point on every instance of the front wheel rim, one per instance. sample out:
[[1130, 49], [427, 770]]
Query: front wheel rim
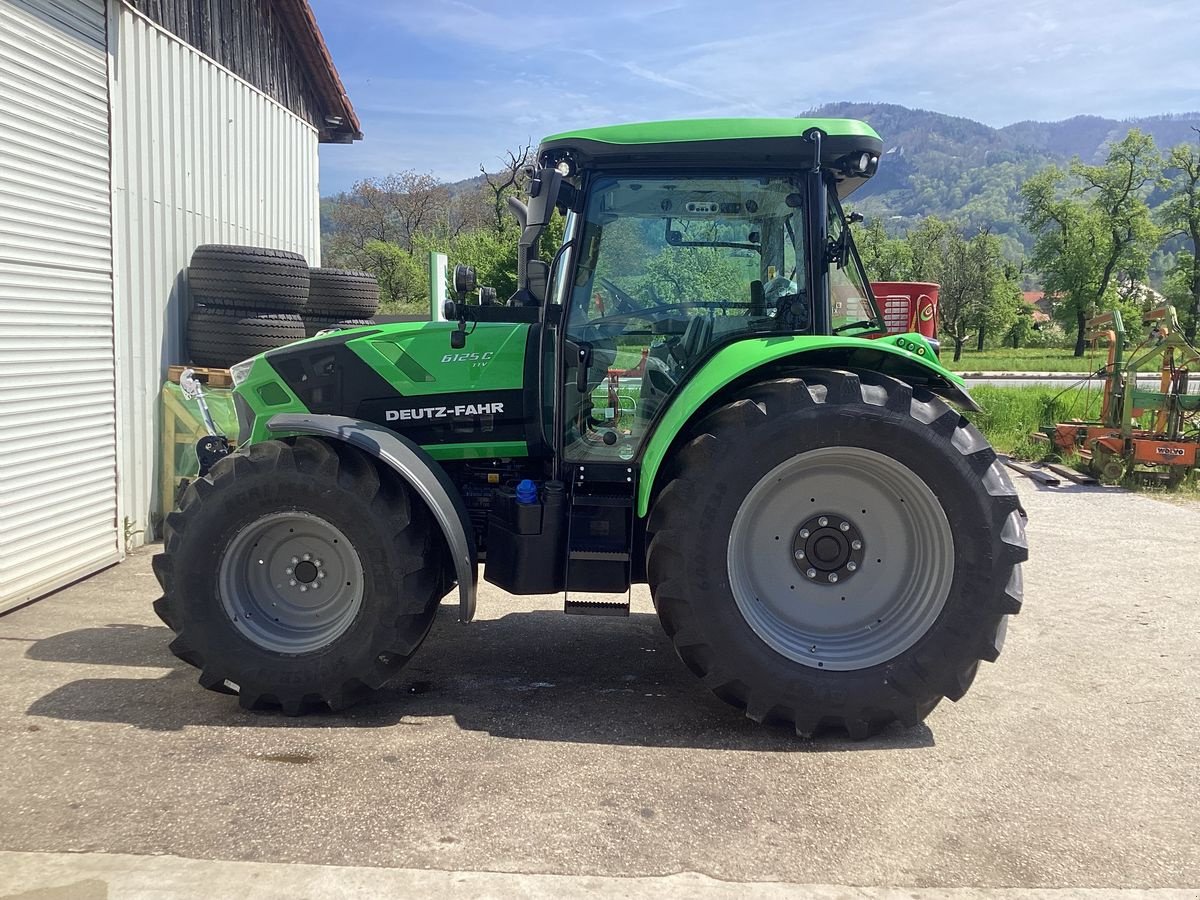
[[291, 582], [854, 607]]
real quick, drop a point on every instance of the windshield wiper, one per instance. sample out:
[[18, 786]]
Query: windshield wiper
[[865, 323]]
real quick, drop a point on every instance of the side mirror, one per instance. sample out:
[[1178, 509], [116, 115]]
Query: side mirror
[[538, 275]]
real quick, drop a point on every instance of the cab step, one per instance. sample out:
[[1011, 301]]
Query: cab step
[[600, 555], [596, 607], [600, 526]]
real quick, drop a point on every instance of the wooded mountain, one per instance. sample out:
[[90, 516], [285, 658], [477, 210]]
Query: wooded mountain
[[964, 170]]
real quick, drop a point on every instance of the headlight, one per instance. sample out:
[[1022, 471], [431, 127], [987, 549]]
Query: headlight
[[240, 372]]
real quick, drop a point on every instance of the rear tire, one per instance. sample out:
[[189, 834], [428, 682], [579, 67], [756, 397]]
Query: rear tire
[[767, 502], [248, 277], [232, 592], [221, 337]]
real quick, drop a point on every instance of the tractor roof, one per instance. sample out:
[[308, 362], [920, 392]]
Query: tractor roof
[[705, 142]]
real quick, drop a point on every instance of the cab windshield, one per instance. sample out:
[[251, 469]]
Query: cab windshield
[[669, 269]]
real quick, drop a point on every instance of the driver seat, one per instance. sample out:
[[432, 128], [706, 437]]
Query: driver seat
[[695, 338]]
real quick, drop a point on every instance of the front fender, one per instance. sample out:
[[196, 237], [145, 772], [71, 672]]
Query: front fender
[[905, 356], [419, 470]]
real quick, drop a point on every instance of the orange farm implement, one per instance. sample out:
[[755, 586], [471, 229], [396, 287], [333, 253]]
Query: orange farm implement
[[1139, 430]]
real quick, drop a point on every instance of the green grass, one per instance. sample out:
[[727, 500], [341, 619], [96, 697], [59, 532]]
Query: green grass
[[1011, 414], [1042, 359]]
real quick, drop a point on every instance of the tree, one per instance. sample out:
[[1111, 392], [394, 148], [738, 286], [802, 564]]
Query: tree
[[508, 182], [925, 248], [1022, 327], [885, 258], [1089, 230], [979, 293], [999, 300], [394, 209], [1180, 216], [679, 274], [403, 278]]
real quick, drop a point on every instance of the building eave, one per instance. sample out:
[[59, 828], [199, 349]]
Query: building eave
[[341, 125]]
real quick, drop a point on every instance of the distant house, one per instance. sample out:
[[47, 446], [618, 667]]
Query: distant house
[[1041, 304], [133, 131]]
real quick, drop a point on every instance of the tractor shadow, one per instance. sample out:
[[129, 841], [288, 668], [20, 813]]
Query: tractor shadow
[[537, 675]]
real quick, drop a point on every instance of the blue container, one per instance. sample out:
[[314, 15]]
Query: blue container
[[527, 492]]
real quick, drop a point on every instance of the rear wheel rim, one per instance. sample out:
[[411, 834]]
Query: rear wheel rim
[[291, 582], [885, 594]]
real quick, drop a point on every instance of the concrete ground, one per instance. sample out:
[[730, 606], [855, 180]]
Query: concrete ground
[[535, 754]]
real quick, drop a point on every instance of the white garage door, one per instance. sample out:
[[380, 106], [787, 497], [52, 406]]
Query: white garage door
[[57, 397]]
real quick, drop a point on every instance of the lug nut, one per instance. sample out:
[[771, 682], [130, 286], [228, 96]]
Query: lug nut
[[799, 554], [832, 577], [803, 533], [292, 582], [845, 526], [295, 559], [811, 573], [317, 563], [288, 570], [823, 521], [320, 575], [307, 556], [857, 545], [851, 566], [303, 588]]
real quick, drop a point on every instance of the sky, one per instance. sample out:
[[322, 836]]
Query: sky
[[443, 86]]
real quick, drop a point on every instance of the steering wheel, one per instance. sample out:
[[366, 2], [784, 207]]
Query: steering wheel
[[624, 302]]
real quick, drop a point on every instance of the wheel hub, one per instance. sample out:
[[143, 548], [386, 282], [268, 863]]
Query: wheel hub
[[305, 572], [291, 582], [828, 548], [850, 587]]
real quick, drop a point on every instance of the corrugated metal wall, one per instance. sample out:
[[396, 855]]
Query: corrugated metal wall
[[57, 436], [199, 156]]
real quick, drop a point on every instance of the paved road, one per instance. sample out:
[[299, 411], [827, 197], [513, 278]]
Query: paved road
[[548, 747]]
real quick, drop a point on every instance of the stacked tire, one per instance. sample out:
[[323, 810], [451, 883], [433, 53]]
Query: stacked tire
[[248, 300], [251, 299], [339, 298]]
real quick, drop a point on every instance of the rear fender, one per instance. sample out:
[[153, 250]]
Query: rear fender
[[420, 472], [908, 357]]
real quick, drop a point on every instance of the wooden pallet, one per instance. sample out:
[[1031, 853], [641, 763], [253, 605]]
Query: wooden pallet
[[1071, 474], [211, 377], [1033, 474]]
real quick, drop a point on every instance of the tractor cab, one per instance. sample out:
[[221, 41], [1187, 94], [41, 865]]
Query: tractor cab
[[682, 238]]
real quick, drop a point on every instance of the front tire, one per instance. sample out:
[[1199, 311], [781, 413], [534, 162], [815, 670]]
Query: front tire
[[299, 573], [836, 549]]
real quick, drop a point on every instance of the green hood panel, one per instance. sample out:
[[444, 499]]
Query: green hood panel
[[745, 356], [397, 366]]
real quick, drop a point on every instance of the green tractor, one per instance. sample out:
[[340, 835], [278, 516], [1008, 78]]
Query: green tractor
[[695, 392]]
